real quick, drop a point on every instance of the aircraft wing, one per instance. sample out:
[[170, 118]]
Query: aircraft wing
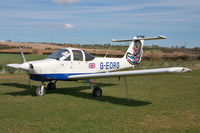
[[130, 73]]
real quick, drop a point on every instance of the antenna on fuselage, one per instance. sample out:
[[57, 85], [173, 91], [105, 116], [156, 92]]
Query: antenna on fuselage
[[107, 51]]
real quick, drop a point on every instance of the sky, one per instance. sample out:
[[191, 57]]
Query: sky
[[99, 21]]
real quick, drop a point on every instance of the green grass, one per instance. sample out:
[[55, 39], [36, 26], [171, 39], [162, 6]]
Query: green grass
[[159, 103], [16, 58]]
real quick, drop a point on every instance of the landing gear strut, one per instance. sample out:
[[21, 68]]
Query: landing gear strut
[[97, 92], [40, 91]]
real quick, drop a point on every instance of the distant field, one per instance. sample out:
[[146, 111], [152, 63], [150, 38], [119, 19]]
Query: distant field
[[16, 58], [151, 53], [161, 103]]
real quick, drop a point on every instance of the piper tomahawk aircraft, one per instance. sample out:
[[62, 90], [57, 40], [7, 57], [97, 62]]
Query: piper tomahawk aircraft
[[70, 64]]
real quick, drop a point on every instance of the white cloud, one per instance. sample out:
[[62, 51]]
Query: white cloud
[[59, 26], [65, 1], [68, 26]]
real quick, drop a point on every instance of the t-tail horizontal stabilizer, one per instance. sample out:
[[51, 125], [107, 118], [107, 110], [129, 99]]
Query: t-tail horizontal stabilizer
[[139, 38]]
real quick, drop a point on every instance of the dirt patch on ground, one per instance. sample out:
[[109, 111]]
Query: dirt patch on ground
[[32, 45], [12, 76]]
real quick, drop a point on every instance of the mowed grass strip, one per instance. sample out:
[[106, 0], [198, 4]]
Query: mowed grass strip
[[158, 103]]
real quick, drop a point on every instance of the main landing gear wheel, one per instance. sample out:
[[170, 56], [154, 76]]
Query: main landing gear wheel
[[97, 92], [40, 91], [51, 86]]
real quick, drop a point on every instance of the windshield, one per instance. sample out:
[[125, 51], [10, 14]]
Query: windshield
[[62, 54]]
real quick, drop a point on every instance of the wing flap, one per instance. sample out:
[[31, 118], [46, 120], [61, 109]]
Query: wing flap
[[131, 73]]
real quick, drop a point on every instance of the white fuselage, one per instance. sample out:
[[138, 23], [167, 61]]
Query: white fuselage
[[60, 69], [53, 66]]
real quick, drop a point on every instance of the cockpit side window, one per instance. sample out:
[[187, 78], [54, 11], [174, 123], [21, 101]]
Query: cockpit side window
[[65, 56], [78, 56], [88, 57], [68, 58]]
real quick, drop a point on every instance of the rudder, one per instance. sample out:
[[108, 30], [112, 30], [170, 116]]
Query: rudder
[[135, 51]]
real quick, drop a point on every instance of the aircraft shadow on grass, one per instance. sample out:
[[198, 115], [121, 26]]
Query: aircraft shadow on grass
[[77, 92]]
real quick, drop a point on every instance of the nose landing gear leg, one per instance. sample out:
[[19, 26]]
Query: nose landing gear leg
[[40, 91]]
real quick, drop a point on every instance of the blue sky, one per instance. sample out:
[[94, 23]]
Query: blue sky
[[99, 21]]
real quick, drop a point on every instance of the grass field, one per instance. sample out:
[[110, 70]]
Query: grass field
[[16, 58], [160, 103]]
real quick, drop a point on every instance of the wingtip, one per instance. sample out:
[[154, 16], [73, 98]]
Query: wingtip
[[162, 37], [180, 69], [186, 70]]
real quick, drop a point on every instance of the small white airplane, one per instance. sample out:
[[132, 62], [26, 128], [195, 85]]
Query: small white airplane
[[70, 64]]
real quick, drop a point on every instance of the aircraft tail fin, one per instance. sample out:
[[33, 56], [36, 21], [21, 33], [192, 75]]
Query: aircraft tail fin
[[135, 51], [22, 55]]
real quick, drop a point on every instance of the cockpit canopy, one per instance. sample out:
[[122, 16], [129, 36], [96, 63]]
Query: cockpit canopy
[[62, 54], [71, 55]]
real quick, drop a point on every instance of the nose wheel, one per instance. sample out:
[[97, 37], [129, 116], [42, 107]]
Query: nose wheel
[[40, 91]]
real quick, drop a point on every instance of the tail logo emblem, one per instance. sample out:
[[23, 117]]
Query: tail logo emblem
[[135, 57]]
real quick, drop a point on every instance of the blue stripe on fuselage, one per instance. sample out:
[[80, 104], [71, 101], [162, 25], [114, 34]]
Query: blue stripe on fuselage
[[49, 77]]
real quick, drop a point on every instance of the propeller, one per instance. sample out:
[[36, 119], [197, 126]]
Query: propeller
[[25, 66]]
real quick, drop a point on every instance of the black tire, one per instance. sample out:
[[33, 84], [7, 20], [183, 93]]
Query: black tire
[[97, 92], [51, 86], [39, 91]]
